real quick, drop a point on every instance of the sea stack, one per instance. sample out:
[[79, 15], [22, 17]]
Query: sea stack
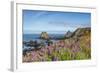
[[44, 35]]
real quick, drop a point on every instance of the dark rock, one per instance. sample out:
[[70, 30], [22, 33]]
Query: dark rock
[[68, 34]]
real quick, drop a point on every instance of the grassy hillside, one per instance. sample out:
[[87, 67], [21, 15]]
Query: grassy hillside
[[75, 47]]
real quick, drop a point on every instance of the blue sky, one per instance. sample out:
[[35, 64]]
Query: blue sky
[[35, 21]]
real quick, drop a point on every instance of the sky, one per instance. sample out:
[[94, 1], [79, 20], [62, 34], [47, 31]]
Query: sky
[[35, 21]]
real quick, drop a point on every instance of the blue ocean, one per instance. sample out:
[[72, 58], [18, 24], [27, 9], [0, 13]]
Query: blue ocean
[[28, 37], [36, 37]]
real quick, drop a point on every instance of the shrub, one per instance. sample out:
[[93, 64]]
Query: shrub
[[80, 56]]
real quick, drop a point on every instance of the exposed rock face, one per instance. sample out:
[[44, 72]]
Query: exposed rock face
[[68, 34], [81, 32], [44, 35]]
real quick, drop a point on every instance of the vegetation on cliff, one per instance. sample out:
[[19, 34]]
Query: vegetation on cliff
[[75, 46]]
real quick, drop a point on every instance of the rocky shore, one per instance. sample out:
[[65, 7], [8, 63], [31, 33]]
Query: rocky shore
[[73, 46]]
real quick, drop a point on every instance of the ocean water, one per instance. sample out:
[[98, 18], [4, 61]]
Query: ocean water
[[36, 37], [28, 37]]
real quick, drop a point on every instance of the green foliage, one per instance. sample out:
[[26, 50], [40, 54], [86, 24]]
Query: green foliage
[[75, 47], [80, 56], [49, 58], [66, 55]]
